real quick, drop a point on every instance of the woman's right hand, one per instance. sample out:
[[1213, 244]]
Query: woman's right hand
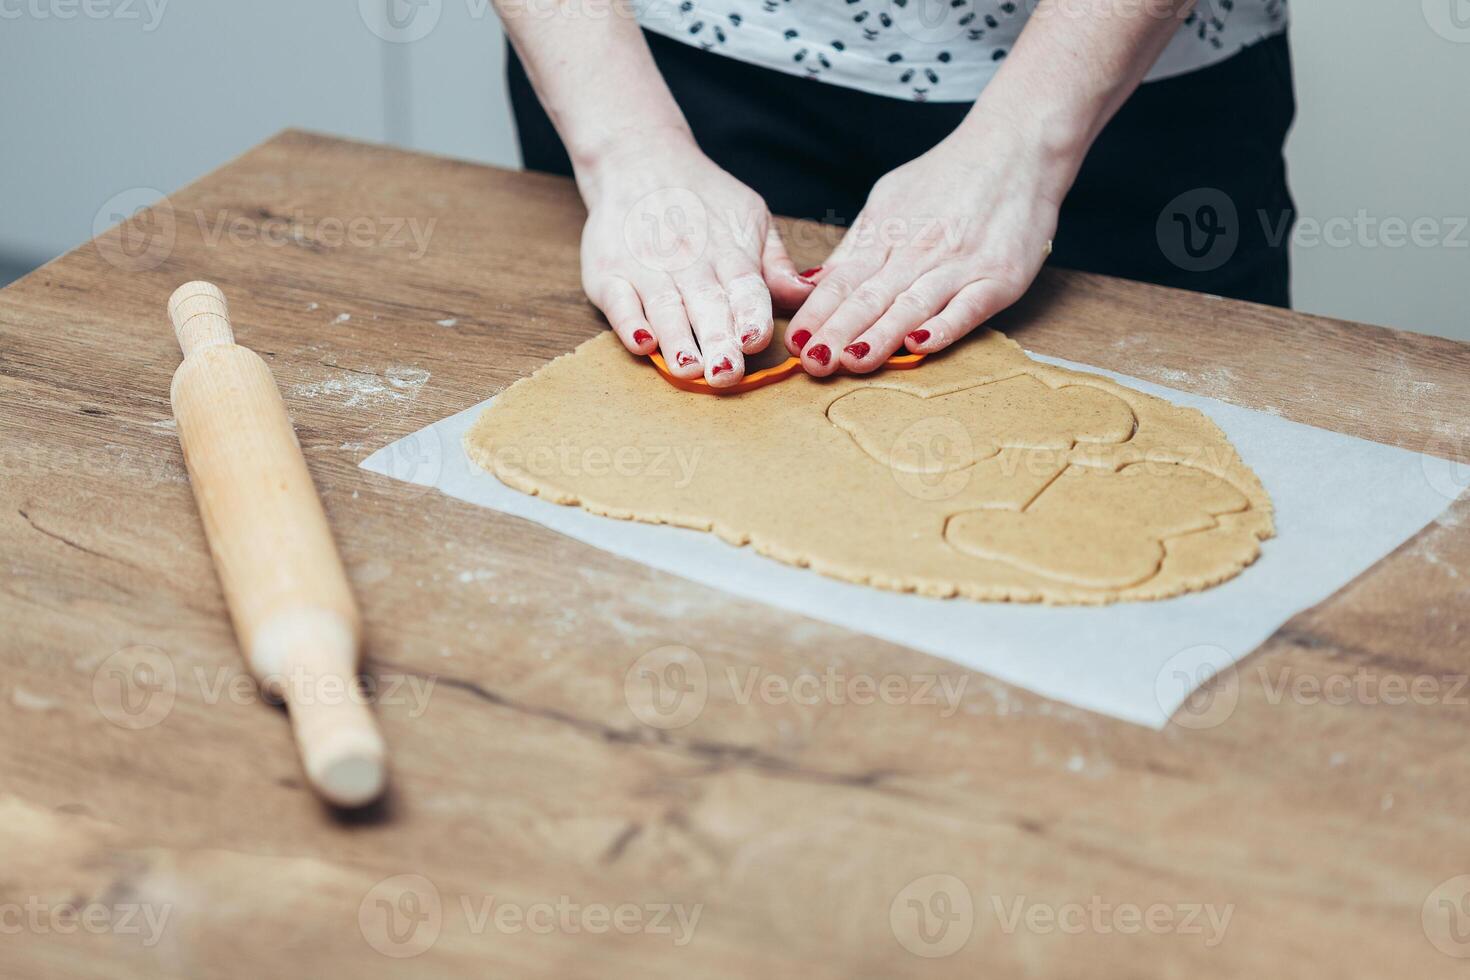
[[682, 257]]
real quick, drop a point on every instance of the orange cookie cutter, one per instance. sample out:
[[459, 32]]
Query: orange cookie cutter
[[763, 377]]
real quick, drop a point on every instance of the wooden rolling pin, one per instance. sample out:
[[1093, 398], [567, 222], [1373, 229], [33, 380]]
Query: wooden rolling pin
[[288, 594]]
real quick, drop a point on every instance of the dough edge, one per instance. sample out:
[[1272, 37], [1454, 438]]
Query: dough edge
[[1259, 517]]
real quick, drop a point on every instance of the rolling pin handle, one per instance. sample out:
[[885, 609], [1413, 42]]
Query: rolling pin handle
[[308, 657], [341, 749], [200, 316]]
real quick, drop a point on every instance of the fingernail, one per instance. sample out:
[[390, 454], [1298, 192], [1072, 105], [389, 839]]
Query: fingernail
[[800, 338], [821, 354], [858, 350], [749, 337], [809, 273], [685, 358], [641, 337], [721, 367], [919, 336]]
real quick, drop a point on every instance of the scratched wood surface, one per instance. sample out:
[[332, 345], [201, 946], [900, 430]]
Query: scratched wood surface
[[558, 832]]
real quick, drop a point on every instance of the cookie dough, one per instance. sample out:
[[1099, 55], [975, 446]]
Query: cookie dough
[[981, 473]]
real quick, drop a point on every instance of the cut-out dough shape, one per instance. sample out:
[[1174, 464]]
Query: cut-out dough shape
[[1098, 528], [982, 474], [1019, 412]]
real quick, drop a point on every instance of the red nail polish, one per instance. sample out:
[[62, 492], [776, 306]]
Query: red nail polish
[[809, 273], [919, 336], [685, 358], [800, 338], [858, 350], [821, 354], [641, 337], [748, 337], [720, 368]]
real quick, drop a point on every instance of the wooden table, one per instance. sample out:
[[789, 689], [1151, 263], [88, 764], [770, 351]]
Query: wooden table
[[561, 834]]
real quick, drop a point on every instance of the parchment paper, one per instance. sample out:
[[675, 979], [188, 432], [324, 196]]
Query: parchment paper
[[1342, 503]]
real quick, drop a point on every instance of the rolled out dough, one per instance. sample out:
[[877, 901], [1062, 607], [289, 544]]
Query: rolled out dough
[[981, 473]]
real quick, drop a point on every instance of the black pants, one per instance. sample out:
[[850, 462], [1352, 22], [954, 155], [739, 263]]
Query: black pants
[[1185, 187]]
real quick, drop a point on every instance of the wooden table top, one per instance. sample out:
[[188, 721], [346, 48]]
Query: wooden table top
[[545, 830]]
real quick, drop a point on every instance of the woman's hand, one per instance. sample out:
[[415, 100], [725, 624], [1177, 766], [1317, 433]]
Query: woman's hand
[[944, 243], [682, 257]]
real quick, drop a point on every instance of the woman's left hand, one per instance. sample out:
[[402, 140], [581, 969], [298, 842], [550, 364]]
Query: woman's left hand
[[944, 242]]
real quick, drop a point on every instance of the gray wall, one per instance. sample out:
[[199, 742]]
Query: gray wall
[[1383, 135], [138, 96]]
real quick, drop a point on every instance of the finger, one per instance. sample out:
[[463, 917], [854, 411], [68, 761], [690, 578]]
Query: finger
[[789, 288], [971, 306], [618, 300], [862, 308], [839, 279], [709, 315], [670, 322], [910, 309], [750, 302]]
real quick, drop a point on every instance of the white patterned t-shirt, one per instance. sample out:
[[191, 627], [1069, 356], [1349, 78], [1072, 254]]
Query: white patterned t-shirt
[[926, 50]]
